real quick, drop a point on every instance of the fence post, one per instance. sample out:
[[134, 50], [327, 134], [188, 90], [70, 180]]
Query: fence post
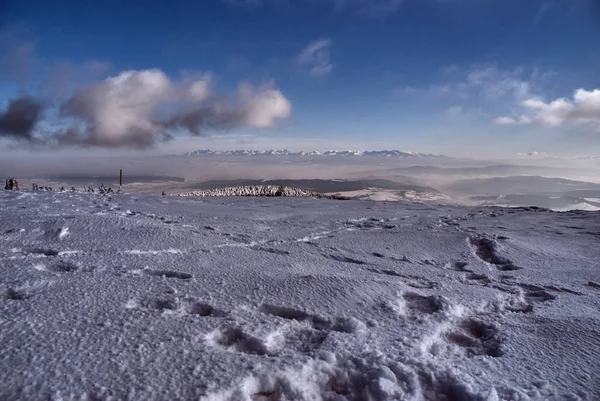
[[120, 179]]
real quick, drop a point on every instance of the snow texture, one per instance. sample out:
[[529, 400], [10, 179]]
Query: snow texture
[[121, 297]]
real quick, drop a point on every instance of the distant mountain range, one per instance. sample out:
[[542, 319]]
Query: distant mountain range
[[284, 152]]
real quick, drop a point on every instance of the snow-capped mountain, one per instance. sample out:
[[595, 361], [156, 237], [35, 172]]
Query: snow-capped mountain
[[285, 152], [334, 152]]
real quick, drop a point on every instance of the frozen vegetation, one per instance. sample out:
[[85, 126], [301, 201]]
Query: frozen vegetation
[[285, 152], [257, 190], [123, 297]]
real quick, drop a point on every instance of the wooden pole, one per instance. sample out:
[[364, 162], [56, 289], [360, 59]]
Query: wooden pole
[[120, 179]]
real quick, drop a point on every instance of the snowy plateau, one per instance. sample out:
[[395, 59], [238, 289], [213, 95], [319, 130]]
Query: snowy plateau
[[136, 297]]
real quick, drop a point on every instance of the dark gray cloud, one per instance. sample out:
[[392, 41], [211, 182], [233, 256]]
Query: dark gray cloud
[[205, 119], [19, 119]]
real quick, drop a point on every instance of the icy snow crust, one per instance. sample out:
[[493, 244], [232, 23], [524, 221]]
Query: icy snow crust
[[166, 298]]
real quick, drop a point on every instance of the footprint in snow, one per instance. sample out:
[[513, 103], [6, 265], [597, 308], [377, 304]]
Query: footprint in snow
[[167, 274], [413, 305], [593, 284], [562, 289], [417, 304], [460, 267], [420, 282], [15, 294], [470, 337], [486, 249], [23, 291], [519, 297], [534, 293], [305, 340], [339, 324], [180, 307], [410, 280], [343, 258], [270, 250], [61, 266], [478, 279], [538, 290], [511, 302], [56, 233], [236, 339], [42, 252]]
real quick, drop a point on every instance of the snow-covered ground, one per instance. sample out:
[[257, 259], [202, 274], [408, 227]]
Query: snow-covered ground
[[128, 297]]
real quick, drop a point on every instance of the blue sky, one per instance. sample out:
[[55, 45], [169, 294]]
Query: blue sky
[[460, 77]]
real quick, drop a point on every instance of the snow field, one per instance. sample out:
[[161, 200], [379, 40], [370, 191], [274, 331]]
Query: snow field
[[166, 298]]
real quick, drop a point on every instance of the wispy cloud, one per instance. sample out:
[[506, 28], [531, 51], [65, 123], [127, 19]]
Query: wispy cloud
[[371, 8], [458, 90], [481, 81], [505, 97], [543, 10], [17, 54], [454, 112], [368, 8], [316, 56], [18, 60], [495, 83]]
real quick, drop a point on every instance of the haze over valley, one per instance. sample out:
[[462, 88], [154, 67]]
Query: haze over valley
[[557, 184]]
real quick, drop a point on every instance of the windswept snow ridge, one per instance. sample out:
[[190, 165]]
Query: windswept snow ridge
[[106, 297]]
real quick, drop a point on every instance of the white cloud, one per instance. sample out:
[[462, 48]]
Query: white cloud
[[138, 108], [521, 120], [583, 108], [199, 90], [316, 56], [262, 106], [119, 108], [505, 121]]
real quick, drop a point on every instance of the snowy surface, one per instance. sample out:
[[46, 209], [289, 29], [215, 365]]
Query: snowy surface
[[163, 298]]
